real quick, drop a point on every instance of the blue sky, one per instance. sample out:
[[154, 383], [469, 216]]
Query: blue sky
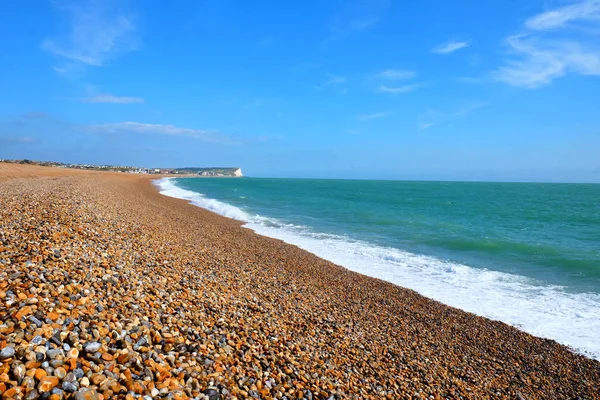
[[474, 90]]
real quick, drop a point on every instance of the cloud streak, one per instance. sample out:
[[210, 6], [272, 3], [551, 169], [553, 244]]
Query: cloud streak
[[256, 103], [368, 117], [355, 16], [396, 74], [332, 80], [15, 140], [35, 115], [588, 10], [109, 98], [553, 44], [97, 31], [450, 47], [432, 117], [158, 129], [399, 89], [303, 67]]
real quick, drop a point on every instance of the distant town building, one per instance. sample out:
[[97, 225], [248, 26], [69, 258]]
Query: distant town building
[[216, 172]]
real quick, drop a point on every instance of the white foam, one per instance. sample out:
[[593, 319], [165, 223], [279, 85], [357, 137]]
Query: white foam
[[168, 188], [542, 310]]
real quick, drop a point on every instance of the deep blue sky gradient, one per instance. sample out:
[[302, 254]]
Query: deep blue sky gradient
[[467, 90]]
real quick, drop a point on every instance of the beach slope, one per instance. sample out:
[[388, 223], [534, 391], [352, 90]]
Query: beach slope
[[110, 290]]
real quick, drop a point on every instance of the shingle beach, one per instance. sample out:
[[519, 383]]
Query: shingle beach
[[110, 290]]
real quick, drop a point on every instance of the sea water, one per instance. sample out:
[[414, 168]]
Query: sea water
[[527, 254]]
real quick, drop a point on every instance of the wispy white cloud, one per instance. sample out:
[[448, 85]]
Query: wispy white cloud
[[471, 80], [368, 117], [588, 10], [256, 103], [93, 96], [355, 16], [396, 74], [35, 115], [109, 98], [433, 117], [14, 140], [96, 31], [399, 89], [307, 66], [553, 44], [332, 80], [537, 67], [339, 30], [462, 112], [158, 129], [450, 47]]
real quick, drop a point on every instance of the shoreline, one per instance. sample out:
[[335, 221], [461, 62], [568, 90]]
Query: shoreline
[[479, 291], [260, 315]]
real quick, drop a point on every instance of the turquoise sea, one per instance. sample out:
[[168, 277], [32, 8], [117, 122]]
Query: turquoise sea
[[527, 254]]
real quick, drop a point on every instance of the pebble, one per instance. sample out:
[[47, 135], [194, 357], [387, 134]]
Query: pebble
[[92, 347], [53, 353], [212, 394], [47, 383], [69, 387], [19, 371], [60, 373], [86, 394], [72, 353], [37, 340], [31, 395], [7, 352]]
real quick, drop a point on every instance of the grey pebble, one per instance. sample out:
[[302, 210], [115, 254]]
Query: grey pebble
[[92, 347], [212, 393], [7, 352], [70, 377], [69, 387], [37, 340], [78, 372], [53, 353], [56, 363]]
